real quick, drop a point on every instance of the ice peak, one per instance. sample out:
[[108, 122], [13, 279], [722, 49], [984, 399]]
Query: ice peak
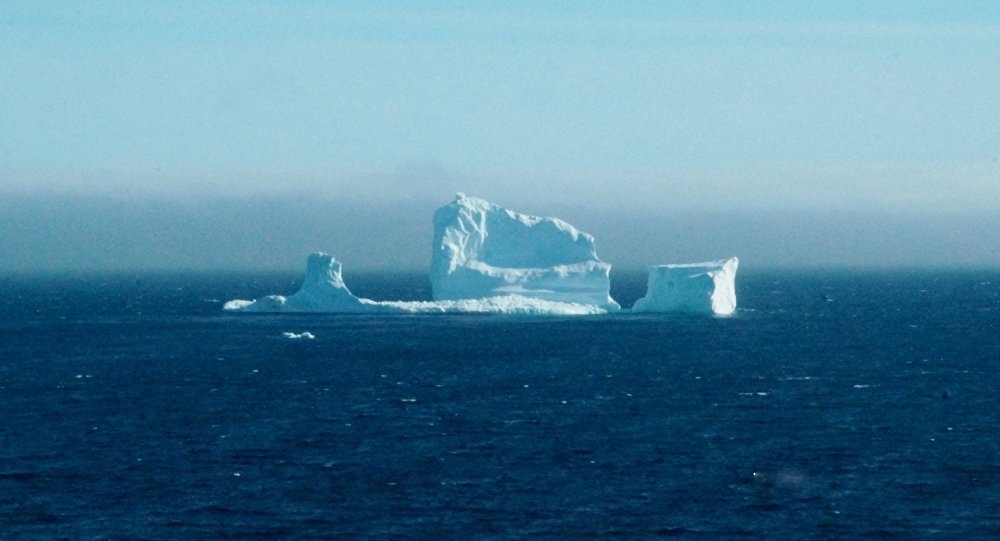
[[482, 250], [469, 204], [322, 290], [322, 268]]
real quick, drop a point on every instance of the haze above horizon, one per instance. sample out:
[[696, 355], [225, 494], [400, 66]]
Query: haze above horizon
[[649, 110]]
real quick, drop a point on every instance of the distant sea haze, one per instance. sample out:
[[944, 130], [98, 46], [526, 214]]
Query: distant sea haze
[[60, 233]]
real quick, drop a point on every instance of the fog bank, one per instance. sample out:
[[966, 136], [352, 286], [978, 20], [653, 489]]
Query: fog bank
[[95, 233]]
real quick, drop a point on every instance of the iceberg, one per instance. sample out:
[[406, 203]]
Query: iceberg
[[324, 290], [708, 287], [491, 260], [484, 250]]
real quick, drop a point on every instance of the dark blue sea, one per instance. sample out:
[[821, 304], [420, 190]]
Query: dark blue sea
[[834, 405]]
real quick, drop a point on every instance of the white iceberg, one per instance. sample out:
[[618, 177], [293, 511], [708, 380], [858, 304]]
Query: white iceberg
[[299, 336], [484, 250], [488, 259], [323, 290], [708, 287]]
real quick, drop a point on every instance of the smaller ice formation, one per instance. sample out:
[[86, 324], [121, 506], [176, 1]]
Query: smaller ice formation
[[298, 336], [323, 290], [694, 288]]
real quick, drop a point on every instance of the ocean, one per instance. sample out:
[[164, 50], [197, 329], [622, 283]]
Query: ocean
[[833, 405]]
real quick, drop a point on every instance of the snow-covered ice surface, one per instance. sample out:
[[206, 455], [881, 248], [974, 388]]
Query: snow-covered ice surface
[[323, 290], [484, 250], [708, 287], [500, 304], [488, 259]]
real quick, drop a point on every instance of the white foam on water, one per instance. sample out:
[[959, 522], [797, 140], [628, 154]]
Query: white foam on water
[[298, 336]]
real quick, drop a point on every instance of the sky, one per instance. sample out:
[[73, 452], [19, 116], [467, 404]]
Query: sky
[[637, 116]]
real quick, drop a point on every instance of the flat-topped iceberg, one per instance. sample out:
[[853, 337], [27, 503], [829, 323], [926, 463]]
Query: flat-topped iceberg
[[484, 250], [708, 287], [488, 259]]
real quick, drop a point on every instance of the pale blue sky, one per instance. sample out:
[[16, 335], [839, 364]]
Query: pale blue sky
[[660, 105]]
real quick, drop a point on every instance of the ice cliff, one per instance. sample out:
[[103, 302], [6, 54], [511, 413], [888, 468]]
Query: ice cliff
[[483, 250], [488, 259], [694, 287]]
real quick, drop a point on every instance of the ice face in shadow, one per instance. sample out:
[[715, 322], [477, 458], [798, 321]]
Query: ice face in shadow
[[708, 287], [484, 250]]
